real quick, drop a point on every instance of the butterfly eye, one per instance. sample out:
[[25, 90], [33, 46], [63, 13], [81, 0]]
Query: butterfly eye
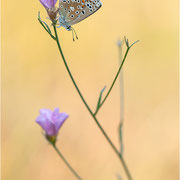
[[72, 16], [77, 12]]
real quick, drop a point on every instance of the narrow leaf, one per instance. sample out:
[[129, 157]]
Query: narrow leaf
[[47, 27], [100, 97], [126, 41], [43, 23], [39, 18]]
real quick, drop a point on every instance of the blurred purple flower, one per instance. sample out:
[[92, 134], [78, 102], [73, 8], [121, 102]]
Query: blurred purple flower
[[48, 4], [51, 121]]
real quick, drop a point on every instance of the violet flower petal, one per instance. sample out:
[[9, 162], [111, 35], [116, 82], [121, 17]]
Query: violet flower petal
[[55, 115], [47, 125], [48, 3], [51, 121], [46, 113], [61, 119]]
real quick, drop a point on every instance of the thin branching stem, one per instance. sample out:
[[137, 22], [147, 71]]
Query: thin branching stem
[[114, 81], [45, 26], [121, 101], [41, 22], [67, 163], [90, 111]]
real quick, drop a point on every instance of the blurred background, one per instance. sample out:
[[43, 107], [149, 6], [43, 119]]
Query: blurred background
[[34, 77]]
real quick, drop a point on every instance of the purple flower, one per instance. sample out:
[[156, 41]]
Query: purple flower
[[48, 4], [51, 121], [51, 9]]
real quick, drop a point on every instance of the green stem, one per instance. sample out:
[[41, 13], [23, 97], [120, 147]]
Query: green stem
[[112, 85], [41, 22], [67, 164], [90, 111], [121, 101], [119, 70]]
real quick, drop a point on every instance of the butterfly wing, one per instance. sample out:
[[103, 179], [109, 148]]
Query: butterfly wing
[[67, 9], [75, 11], [89, 8]]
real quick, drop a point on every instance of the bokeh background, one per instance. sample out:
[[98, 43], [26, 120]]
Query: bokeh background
[[34, 77]]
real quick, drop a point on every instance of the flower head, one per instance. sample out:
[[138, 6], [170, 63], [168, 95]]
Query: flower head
[[51, 121], [51, 9], [48, 4]]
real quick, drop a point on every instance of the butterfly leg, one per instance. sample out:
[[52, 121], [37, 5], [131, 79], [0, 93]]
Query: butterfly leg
[[75, 33]]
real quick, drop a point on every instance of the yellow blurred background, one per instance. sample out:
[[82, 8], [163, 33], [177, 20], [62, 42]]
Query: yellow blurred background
[[34, 77]]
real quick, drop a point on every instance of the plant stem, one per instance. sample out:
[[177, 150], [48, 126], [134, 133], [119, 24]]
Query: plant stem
[[90, 111], [119, 70], [112, 85], [67, 164], [121, 101]]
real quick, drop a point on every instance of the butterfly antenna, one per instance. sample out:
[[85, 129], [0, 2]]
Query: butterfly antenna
[[74, 32]]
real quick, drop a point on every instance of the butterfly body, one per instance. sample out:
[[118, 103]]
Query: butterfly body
[[73, 11]]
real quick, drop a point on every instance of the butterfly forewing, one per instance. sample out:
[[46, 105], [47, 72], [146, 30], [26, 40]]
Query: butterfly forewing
[[74, 11]]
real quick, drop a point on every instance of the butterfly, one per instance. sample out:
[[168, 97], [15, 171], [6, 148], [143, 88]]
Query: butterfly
[[73, 11]]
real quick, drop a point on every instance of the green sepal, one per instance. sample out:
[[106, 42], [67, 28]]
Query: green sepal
[[51, 139]]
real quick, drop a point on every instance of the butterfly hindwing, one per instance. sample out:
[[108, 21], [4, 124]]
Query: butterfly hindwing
[[89, 8], [74, 11]]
